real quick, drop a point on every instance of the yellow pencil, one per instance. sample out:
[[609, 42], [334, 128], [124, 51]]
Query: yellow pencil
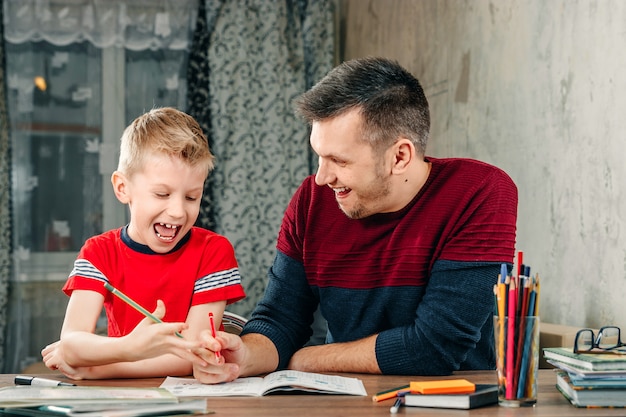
[[134, 304], [390, 393]]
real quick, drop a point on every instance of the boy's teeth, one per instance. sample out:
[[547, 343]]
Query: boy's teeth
[[172, 231]]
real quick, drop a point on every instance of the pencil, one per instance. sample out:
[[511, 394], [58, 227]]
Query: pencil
[[525, 383], [133, 304], [537, 292], [521, 327], [510, 343], [390, 393], [501, 315], [213, 333]]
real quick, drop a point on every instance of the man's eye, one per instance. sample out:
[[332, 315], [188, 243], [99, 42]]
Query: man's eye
[[191, 198], [161, 195]]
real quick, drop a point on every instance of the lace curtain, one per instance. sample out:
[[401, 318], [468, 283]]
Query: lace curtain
[[248, 59], [77, 72], [135, 25]]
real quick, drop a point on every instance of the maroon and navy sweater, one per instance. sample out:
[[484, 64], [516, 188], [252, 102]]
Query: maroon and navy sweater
[[422, 277]]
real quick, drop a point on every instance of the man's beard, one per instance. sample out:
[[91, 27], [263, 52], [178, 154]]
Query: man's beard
[[375, 192]]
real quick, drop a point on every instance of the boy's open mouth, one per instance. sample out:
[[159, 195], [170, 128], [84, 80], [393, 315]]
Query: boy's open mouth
[[166, 231]]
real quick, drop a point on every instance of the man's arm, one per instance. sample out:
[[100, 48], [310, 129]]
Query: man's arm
[[254, 354], [279, 326], [453, 327], [286, 311], [449, 325], [358, 356], [446, 330]]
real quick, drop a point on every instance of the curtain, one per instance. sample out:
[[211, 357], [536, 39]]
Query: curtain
[[249, 61], [135, 25], [77, 72], [5, 197], [198, 100]]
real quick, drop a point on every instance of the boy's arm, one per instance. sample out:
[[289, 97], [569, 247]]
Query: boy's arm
[[149, 350], [168, 364]]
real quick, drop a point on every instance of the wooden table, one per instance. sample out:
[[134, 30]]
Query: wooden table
[[550, 402]]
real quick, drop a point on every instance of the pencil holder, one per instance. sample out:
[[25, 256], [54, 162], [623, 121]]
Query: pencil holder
[[517, 359]]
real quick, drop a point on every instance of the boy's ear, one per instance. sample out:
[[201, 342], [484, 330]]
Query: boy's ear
[[120, 187]]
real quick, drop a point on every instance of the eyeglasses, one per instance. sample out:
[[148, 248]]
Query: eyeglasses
[[608, 339]]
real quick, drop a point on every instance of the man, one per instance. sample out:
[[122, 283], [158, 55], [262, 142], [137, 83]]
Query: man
[[400, 251]]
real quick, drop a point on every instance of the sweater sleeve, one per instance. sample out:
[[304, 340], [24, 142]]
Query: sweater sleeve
[[453, 328], [286, 311]]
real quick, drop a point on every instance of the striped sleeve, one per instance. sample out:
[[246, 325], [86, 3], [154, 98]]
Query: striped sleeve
[[85, 276], [218, 280]]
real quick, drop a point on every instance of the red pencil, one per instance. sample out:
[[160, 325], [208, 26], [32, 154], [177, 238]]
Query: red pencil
[[213, 333], [510, 343]]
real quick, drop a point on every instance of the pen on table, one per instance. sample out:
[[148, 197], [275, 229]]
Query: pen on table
[[133, 304], [396, 406], [213, 333], [390, 393], [44, 382]]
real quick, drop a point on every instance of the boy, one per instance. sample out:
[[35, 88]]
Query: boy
[[159, 259]]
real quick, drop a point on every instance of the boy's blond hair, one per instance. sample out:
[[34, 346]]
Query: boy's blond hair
[[166, 130]]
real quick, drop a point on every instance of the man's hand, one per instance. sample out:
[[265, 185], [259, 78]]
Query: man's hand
[[226, 367], [252, 354]]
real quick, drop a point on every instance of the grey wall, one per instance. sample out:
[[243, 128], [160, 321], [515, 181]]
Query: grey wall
[[537, 88]]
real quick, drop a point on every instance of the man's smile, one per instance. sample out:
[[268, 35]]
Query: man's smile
[[342, 191]]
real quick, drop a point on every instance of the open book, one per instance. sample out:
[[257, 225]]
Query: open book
[[276, 381]]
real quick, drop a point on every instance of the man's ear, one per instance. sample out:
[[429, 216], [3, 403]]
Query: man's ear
[[120, 187], [403, 155]]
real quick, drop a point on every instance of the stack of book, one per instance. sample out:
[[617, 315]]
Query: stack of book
[[589, 379], [69, 401]]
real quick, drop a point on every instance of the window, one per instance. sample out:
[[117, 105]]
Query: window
[[68, 106]]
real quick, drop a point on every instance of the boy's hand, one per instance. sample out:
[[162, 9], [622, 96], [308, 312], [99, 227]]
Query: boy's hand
[[53, 358], [150, 339]]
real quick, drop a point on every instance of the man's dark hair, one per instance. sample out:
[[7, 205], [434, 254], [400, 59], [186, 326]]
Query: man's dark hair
[[391, 101]]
